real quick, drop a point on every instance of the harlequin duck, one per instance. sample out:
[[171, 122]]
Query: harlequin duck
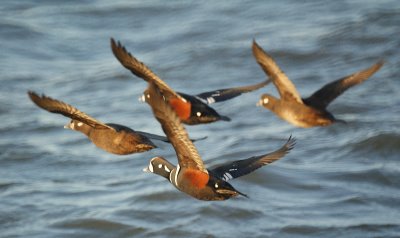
[[113, 138], [304, 112], [190, 175], [191, 109]]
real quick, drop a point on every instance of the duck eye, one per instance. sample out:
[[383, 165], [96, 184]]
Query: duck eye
[[216, 185], [160, 166], [265, 100], [79, 124], [198, 114]]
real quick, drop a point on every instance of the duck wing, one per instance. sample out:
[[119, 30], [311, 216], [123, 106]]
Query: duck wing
[[56, 106], [186, 152], [285, 87], [139, 69], [239, 168], [324, 96], [220, 95]]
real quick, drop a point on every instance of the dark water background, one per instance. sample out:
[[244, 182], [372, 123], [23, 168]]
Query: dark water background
[[340, 181]]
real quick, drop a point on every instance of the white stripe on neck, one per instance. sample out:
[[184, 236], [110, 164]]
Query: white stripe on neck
[[175, 181]]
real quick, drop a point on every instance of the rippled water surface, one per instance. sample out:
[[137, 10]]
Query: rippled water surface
[[339, 181]]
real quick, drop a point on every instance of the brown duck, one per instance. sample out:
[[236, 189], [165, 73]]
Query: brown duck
[[191, 109], [113, 138], [304, 112], [190, 175]]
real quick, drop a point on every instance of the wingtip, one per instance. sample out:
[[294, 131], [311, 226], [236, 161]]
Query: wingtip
[[35, 96], [291, 142], [225, 118], [30, 93], [244, 195], [199, 139], [254, 44], [112, 42], [380, 63], [341, 121], [116, 45], [258, 52], [375, 67]]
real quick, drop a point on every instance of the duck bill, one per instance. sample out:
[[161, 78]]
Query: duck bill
[[146, 169], [259, 103], [68, 126], [142, 98], [230, 192]]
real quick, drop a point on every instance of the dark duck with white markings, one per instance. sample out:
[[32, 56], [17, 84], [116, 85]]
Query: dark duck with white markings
[[191, 109], [190, 175]]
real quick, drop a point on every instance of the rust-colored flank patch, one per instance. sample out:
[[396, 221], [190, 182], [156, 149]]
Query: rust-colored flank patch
[[181, 108], [198, 178]]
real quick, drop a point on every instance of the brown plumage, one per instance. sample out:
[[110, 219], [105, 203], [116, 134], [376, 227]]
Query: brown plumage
[[190, 175], [307, 112], [191, 109], [188, 156], [113, 138]]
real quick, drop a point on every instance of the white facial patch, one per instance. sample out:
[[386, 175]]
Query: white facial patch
[[80, 123], [166, 169], [198, 114], [151, 167]]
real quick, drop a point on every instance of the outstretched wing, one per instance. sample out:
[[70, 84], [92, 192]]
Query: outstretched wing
[[140, 69], [239, 168], [188, 156], [55, 106], [220, 95], [285, 87], [321, 98]]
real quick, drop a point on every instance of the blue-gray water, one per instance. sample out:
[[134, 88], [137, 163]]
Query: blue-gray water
[[339, 181]]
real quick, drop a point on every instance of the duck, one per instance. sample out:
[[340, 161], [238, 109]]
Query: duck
[[190, 175], [305, 112], [191, 109], [113, 138]]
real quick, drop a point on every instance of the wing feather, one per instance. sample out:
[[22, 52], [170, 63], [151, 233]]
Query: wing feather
[[220, 95], [139, 69], [324, 96], [240, 168], [285, 87], [56, 106]]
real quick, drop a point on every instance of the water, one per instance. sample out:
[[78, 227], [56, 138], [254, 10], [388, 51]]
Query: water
[[339, 181]]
